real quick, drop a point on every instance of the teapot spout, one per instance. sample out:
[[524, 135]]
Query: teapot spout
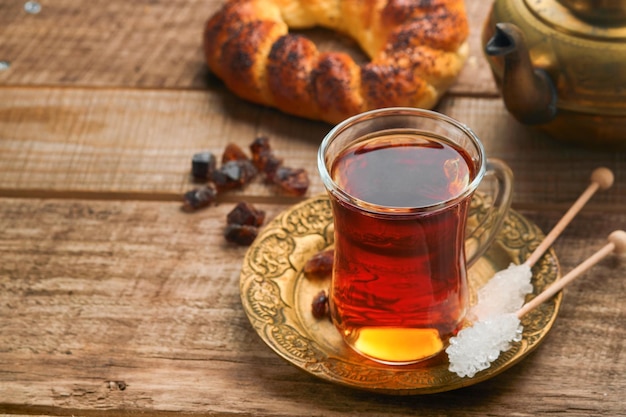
[[529, 94]]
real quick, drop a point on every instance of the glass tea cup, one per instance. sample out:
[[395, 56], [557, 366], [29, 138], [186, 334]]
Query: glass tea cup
[[400, 182]]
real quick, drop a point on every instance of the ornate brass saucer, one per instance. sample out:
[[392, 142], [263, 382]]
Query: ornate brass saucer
[[277, 299]]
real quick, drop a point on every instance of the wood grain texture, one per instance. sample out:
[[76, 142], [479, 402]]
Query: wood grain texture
[[134, 307], [101, 43], [138, 144], [115, 302], [147, 44]]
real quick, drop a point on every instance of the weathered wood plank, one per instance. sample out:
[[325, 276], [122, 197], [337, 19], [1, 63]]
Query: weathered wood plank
[[132, 144], [144, 43], [95, 293], [105, 43], [103, 105], [476, 78]]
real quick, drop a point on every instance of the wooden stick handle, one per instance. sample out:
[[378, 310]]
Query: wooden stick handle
[[617, 244], [601, 178]]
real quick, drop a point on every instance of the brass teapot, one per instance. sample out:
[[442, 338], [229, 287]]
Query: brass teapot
[[561, 66]]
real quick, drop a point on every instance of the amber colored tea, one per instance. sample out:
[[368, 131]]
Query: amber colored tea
[[399, 286]]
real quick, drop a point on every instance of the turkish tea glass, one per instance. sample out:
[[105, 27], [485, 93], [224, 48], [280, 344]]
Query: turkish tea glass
[[400, 182]]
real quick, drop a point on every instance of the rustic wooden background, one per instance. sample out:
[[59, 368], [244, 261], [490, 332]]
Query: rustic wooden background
[[114, 302]]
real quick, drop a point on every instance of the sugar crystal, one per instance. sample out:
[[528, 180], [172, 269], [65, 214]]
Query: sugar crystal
[[474, 348], [504, 293]]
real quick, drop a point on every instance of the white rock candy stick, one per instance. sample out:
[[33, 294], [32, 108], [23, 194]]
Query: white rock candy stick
[[506, 291], [474, 348]]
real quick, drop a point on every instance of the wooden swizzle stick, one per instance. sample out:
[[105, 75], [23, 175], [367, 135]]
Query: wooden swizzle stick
[[474, 348], [617, 244], [601, 178], [506, 290]]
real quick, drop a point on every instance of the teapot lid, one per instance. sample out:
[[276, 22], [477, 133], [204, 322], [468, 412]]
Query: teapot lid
[[602, 20]]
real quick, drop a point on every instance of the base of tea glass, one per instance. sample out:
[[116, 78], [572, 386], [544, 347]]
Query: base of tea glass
[[398, 346]]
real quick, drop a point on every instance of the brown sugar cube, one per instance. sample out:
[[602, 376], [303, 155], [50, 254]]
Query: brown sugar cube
[[241, 234], [232, 152], [199, 197], [245, 213], [293, 181]]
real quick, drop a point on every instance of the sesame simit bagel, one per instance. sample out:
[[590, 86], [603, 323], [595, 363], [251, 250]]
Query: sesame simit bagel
[[416, 50]]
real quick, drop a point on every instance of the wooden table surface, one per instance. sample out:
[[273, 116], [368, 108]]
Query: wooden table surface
[[113, 301]]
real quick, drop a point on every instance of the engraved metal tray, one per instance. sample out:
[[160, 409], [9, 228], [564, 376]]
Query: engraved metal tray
[[277, 299]]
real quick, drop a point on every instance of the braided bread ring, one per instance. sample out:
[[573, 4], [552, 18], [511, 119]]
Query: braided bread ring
[[416, 47]]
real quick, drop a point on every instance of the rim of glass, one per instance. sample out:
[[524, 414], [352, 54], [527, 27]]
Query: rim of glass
[[335, 189]]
